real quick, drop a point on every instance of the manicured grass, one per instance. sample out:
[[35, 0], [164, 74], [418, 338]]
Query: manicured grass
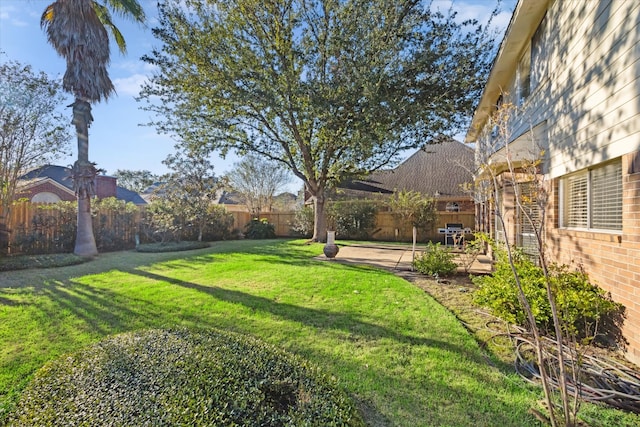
[[403, 357]]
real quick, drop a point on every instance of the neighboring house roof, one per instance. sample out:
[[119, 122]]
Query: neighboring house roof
[[61, 177], [60, 174], [25, 184], [436, 169], [129, 196], [230, 198]]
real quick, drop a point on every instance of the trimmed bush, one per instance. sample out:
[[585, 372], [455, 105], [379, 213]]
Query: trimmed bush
[[171, 246], [435, 261], [182, 377], [23, 262], [260, 229]]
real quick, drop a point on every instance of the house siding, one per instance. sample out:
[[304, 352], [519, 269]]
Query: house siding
[[586, 107], [593, 83]]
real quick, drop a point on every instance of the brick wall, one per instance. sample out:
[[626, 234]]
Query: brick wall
[[105, 186], [612, 260], [46, 187]]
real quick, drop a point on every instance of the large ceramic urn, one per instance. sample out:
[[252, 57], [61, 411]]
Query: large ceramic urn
[[331, 249]]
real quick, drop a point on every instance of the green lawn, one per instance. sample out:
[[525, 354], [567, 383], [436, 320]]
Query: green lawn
[[404, 359]]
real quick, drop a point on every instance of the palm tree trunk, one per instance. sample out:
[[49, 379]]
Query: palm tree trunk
[[84, 174]]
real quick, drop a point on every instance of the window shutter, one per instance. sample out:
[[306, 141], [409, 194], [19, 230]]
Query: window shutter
[[576, 208], [606, 197]]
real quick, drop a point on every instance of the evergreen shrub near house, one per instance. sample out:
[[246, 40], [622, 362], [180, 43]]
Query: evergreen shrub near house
[[353, 219], [585, 309], [183, 377], [260, 229], [436, 260]]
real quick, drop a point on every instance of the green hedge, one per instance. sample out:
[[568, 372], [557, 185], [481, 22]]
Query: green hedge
[[182, 377]]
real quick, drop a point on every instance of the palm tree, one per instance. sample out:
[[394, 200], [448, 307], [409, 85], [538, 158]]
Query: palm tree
[[77, 29]]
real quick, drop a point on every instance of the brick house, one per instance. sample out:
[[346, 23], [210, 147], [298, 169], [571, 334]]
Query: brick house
[[571, 71], [442, 171], [51, 184]]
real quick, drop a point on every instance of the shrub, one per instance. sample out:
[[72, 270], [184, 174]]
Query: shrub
[[53, 230], [23, 262], [354, 219], [171, 246], [303, 222], [436, 260], [160, 223], [582, 306], [260, 229], [219, 223], [182, 377], [114, 224]]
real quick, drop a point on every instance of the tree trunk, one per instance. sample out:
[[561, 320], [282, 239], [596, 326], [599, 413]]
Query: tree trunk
[[319, 218], [83, 174]]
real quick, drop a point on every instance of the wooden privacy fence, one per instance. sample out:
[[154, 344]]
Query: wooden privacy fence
[[386, 225], [53, 230]]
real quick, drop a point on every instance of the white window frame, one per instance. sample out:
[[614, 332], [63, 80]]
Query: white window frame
[[595, 203], [452, 207]]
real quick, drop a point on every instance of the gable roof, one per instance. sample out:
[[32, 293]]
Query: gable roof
[[61, 176], [439, 168]]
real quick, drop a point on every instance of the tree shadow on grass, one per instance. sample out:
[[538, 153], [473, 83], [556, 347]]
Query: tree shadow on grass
[[366, 332]]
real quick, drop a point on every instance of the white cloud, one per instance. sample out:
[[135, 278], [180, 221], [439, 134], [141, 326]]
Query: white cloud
[[130, 85], [11, 15]]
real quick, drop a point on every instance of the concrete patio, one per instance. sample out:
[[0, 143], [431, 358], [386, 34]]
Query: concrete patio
[[394, 257]]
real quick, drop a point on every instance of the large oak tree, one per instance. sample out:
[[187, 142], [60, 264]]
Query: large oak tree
[[328, 88]]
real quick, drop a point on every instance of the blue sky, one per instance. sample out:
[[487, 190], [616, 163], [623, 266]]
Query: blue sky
[[117, 141]]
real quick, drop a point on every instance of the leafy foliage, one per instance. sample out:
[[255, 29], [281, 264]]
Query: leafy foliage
[[182, 204], [23, 262], [435, 261], [353, 219], [53, 227], [114, 221], [322, 88], [136, 180], [163, 223], [583, 307], [412, 207], [32, 132], [260, 229], [52, 230], [183, 377], [303, 221], [171, 246]]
